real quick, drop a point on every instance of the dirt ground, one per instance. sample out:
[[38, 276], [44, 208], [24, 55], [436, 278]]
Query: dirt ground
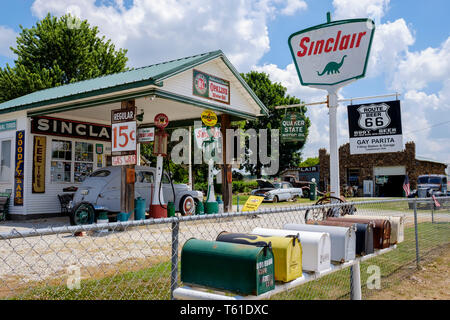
[[432, 282]]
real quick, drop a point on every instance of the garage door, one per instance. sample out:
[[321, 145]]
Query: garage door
[[389, 171]]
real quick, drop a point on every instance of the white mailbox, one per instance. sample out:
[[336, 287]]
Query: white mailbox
[[343, 239], [316, 246], [397, 225]]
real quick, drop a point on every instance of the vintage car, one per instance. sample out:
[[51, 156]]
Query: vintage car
[[277, 191], [430, 184], [100, 191]]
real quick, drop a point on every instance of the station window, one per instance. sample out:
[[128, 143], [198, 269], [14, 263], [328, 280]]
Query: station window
[[84, 160], [5, 161], [62, 162]]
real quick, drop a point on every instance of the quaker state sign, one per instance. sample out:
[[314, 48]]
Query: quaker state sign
[[332, 53], [375, 127], [293, 127]]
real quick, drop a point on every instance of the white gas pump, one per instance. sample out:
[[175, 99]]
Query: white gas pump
[[211, 205]]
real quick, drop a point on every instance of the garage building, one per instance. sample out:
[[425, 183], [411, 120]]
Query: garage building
[[378, 174]]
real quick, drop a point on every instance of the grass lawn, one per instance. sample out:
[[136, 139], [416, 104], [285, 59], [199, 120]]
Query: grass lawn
[[153, 283]]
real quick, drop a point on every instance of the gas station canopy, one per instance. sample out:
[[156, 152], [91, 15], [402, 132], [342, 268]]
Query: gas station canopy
[[164, 87]]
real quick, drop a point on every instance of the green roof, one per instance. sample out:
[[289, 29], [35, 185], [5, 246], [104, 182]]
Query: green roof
[[153, 74]]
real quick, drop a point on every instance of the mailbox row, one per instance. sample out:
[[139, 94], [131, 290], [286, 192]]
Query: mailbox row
[[251, 263]]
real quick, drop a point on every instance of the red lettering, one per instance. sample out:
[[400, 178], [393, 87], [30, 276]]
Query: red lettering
[[327, 47], [360, 35], [319, 46], [303, 47], [310, 48], [337, 40], [353, 40], [344, 42]]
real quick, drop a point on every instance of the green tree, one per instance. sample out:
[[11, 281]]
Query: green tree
[[274, 94], [310, 162], [58, 51]]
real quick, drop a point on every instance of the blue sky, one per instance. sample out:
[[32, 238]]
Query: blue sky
[[410, 53]]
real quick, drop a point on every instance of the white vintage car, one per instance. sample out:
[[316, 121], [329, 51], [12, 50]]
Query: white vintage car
[[277, 191], [100, 191]]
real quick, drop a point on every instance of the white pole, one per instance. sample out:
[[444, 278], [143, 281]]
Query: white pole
[[190, 158], [334, 150], [356, 282]]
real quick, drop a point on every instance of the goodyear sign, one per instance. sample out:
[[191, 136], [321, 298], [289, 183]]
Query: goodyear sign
[[252, 203], [19, 168]]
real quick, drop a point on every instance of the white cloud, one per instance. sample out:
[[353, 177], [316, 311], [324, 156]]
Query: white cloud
[[7, 40], [155, 31], [293, 6], [349, 9]]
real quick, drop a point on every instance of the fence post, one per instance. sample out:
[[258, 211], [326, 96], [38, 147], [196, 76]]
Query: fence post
[[432, 210], [355, 282], [174, 267], [416, 235]]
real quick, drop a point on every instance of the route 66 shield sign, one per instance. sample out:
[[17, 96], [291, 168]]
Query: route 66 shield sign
[[374, 116]]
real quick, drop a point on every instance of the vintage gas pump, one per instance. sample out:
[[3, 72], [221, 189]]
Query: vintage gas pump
[[158, 207], [211, 205]]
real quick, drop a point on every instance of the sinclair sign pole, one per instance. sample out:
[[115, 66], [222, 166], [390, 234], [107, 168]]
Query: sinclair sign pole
[[329, 56]]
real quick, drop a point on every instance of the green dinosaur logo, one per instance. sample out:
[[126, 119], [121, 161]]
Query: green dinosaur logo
[[332, 67]]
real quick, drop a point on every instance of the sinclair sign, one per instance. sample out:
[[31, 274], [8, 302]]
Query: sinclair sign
[[332, 54]]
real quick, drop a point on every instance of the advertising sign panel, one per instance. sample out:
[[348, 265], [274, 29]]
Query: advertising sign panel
[[124, 136], [211, 87], [293, 127], [332, 53], [19, 168], [146, 135], [39, 151], [375, 127]]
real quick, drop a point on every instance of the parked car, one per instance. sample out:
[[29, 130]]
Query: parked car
[[304, 185], [277, 191], [430, 184], [100, 191]]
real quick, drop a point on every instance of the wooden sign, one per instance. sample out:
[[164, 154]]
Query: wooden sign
[[39, 150]]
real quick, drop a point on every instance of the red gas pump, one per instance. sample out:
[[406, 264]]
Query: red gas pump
[[158, 207]]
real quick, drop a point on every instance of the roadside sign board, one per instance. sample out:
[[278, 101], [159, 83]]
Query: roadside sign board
[[146, 135], [375, 127], [210, 87], [209, 118], [293, 127], [252, 203], [333, 53], [128, 159], [124, 136]]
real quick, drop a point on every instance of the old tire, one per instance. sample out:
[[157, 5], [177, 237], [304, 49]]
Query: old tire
[[187, 205], [275, 199], [83, 213]]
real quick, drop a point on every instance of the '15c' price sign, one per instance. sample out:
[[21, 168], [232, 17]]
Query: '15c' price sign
[[124, 136]]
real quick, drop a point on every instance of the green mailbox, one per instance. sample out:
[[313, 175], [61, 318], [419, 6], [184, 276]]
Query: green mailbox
[[239, 268]]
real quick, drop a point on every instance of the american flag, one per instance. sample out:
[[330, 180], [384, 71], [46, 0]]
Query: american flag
[[406, 186], [436, 203]]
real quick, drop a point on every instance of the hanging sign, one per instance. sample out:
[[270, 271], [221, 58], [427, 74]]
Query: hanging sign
[[19, 168], [375, 127], [146, 135], [39, 150], [211, 87], [209, 118], [333, 53], [124, 136], [293, 127]]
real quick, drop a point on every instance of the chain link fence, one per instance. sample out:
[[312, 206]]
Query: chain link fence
[[140, 259]]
